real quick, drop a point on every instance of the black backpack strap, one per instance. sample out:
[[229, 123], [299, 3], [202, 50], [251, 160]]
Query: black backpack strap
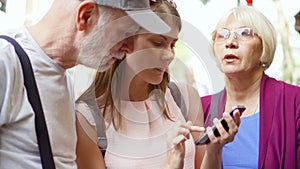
[[34, 99], [178, 98], [214, 110], [213, 113]]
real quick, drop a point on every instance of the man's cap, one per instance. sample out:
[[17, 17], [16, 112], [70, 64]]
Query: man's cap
[[140, 12]]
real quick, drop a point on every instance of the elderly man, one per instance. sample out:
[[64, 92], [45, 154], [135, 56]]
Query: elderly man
[[90, 32]]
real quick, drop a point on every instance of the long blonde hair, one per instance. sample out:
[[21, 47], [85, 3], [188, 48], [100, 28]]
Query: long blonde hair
[[109, 92]]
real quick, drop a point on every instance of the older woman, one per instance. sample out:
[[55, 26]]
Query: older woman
[[244, 43]]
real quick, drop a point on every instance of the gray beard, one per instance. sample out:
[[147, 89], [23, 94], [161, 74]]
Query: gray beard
[[94, 50]]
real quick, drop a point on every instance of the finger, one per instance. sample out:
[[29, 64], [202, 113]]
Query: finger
[[223, 133], [189, 123], [184, 131], [237, 116], [179, 139], [179, 128], [186, 125], [211, 135], [197, 129], [184, 128], [233, 127]]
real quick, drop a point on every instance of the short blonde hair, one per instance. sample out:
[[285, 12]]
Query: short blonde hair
[[261, 25]]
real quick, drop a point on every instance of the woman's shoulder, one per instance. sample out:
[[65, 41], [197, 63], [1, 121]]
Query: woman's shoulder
[[85, 111], [206, 99], [288, 88]]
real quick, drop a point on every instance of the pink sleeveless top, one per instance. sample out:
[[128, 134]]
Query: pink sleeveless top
[[141, 142]]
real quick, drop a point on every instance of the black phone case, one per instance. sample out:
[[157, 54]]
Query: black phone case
[[204, 139]]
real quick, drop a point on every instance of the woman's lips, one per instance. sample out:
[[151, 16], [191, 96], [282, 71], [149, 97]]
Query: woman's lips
[[229, 58]]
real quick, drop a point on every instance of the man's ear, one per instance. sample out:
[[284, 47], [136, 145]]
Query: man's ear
[[87, 15]]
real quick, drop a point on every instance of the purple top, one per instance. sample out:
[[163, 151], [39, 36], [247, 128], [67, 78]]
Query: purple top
[[279, 139]]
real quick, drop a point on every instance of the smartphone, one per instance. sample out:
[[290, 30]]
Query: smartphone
[[204, 139]]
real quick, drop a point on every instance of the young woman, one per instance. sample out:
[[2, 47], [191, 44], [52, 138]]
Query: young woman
[[144, 126]]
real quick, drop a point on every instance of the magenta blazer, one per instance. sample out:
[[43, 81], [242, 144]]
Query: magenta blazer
[[279, 138]]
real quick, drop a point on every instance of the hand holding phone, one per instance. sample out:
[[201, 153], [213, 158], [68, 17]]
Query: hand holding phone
[[204, 139]]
